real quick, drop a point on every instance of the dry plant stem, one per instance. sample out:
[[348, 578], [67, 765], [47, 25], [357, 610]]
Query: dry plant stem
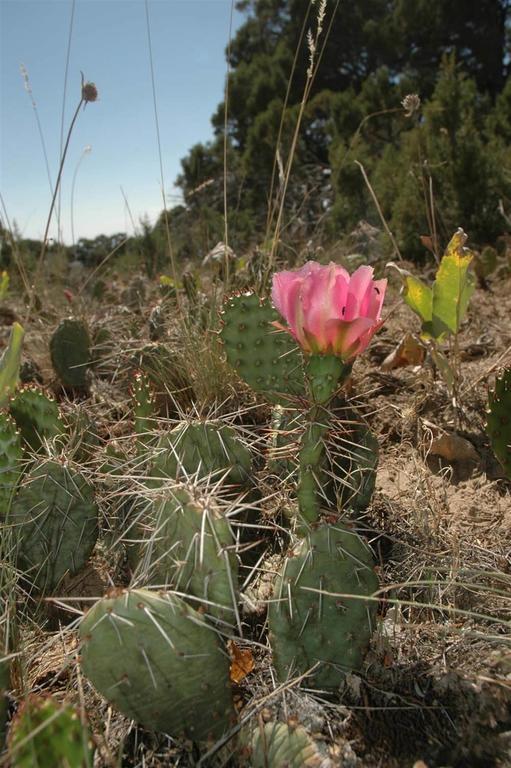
[[50, 214], [62, 117], [380, 212], [15, 250], [272, 207], [311, 75], [226, 113], [162, 181]]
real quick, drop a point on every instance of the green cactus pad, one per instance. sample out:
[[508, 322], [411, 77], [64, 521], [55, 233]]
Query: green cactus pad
[[37, 416], [268, 360], [157, 660], [308, 622], [70, 353], [498, 424], [56, 524], [11, 455], [143, 409], [277, 745], [189, 547], [203, 450], [47, 734]]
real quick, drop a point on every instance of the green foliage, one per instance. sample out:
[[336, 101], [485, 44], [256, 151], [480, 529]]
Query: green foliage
[[56, 523], [312, 616], [47, 734], [70, 353], [442, 162], [156, 659], [498, 423], [10, 364]]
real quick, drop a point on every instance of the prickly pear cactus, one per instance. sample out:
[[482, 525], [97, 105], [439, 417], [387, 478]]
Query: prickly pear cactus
[[203, 450], [11, 455], [70, 353], [285, 432], [267, 359], [311, 617], [143, 409], [157, 660], [48, 734], [498, 423], [156, 323], [189, 547], [277, 745], [324, 374], [37, 416], [56, 524]]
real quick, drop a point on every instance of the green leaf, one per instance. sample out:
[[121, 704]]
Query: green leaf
[[10, 364], [452, 288]]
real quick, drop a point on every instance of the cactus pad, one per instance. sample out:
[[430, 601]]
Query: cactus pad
[[157, 660], [277, 745], [48, 734], [189, 547], [498, 423], [311, 620], [70, 353], [56, 522], [11, 455], [205, 450], [143, 408], [36, 415], [268, 360]]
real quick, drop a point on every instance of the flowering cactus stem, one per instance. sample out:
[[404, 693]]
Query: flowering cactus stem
[[325, 374]]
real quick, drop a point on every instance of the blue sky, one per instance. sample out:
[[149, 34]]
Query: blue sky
[[109, 44]]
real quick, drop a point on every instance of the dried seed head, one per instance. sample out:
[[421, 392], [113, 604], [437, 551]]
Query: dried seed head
[[411, 104], [89, 92]]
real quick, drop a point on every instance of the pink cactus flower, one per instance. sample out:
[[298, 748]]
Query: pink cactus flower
[[327, 310]]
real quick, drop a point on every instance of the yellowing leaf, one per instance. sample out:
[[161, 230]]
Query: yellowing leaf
[[452, 289], [242, 662], [4, 285], [419, 297]]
